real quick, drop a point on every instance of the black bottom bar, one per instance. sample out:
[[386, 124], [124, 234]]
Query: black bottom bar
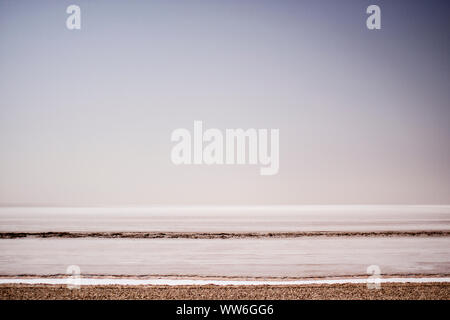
[[229, 309]]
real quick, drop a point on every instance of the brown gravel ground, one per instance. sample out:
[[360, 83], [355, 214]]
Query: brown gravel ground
[[428, 291]]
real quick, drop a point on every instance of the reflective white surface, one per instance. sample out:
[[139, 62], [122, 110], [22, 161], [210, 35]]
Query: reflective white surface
[[297, 257], [188, 282]]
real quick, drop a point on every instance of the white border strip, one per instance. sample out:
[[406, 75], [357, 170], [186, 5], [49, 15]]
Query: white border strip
[[198, 282]]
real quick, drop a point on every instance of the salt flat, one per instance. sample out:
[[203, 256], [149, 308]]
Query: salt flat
[[297, 257], [301, 257]]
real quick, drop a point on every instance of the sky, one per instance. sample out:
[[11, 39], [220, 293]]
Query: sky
[[86, 115]]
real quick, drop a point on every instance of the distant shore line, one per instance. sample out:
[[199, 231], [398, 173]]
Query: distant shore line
[[222, 235]]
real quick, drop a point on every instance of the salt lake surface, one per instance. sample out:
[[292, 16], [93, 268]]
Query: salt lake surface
[[292, 257], [296, 257]]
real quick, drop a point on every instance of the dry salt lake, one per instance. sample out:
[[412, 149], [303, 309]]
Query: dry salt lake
[[352, 246]]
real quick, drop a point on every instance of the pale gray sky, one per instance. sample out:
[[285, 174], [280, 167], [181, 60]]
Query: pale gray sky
[[86, 116]]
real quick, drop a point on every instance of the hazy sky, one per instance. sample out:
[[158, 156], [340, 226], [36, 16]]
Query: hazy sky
[[86, 115]]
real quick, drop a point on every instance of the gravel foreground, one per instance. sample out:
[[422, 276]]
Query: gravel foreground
[[390, 291]]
